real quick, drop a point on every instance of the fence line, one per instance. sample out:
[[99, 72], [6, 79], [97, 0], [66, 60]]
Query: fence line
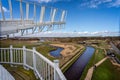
[[43, 68]]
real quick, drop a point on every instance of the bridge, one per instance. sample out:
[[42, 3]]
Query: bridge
[[31, 18]]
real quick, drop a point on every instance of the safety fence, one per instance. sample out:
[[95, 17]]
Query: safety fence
[[43, 68]]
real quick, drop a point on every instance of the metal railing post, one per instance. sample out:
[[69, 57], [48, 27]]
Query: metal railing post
[[34, 62], [11, 54], [24, 57], [56, 63], [34, 58]]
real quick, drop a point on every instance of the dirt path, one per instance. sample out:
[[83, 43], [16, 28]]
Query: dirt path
[[90, 71], [100, 62], [114, 62]]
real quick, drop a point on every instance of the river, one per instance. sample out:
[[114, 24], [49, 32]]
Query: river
[[76, 69]]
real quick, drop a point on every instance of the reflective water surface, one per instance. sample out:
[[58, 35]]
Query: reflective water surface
[[75, 71]]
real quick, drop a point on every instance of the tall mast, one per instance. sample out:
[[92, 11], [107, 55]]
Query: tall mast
[[119, 25]]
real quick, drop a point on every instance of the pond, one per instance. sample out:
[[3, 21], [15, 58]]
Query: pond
[[56, 53]]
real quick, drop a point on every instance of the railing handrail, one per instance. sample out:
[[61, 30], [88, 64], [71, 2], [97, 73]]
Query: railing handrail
[[57, 69]]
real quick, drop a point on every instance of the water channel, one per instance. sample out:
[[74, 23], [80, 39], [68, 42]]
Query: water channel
[[75, 71]]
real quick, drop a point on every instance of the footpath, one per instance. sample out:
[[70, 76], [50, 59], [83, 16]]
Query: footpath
[[90, 71]]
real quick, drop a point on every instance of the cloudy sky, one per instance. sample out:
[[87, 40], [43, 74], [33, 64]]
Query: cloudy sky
[[83, 15]]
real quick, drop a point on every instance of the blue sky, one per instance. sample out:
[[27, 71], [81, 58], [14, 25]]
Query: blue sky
[[83, 15]]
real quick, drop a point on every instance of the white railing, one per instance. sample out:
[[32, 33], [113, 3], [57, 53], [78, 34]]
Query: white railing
[[4, 74], [31, 59]]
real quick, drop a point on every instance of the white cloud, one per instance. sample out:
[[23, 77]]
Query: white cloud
[[97, 3], [115, 4], [4, 9], [73, 34]]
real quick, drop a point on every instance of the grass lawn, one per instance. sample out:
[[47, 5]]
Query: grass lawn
[[103, 44], [106, 71], [100, 55]]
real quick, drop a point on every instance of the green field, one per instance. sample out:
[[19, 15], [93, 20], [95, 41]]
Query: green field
[[100, 55], [106, 71]]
